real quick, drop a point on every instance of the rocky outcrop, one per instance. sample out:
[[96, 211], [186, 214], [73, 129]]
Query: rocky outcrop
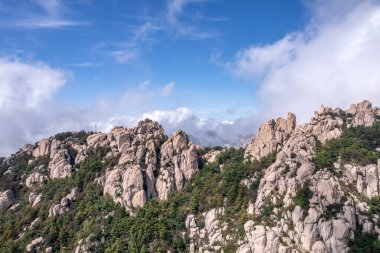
[[148, 166], [65, 203], [126, 186], [363, 114], [32, 246], [35, 199], [338, 199], [35, 179], [333, 214], [208, 237], [60, 161], [7, 199], [179, 162], [88, 245], [42, 148], [211, 156], [270, 137], [366, 179]]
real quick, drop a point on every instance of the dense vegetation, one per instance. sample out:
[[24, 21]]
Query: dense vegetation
[[80, 136], [365, 243], [157, 227], [356, 145]]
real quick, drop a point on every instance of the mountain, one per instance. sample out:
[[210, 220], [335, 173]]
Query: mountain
[[295, 188]]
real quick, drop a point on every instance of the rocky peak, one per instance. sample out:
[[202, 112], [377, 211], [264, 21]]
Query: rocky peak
[[148, 126], [325, 125], [294, 171], [363, 113], [270, 137], [150, 165]]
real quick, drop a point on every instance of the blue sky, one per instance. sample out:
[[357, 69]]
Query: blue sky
[[111, 46], [216, 68]]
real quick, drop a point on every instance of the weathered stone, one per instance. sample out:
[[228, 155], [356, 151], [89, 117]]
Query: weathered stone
[[35, 179], [35, 199], [7, 199], [139, 176], [64, 205], [59, 165], [270, 138], [31, 247], [42, 148], [294, 169]]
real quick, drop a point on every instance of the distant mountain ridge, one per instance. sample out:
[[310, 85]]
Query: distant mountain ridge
[[294, 188]]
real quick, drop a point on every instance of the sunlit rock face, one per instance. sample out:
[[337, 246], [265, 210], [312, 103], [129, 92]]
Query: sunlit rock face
[[311, 230], [150, 165], [7, 199], [270, 138]]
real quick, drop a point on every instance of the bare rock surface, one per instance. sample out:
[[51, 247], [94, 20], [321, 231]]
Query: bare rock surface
[[331, 218], [7, 199], [64, 205], [35, 179], [32, 246], [149, 165], [35, 199], [270, 138], [210, 236], [42, 148], [59, 165], [337, 198]]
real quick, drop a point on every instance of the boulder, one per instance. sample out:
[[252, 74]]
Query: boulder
[[31, 247], [7, 199]]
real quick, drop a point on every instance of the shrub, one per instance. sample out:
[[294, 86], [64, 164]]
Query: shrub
[[374, 205], [365, 243], [302, 197], [355, 145]]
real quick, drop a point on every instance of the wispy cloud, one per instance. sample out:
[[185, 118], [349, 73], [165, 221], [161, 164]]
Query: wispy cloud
[[86, 64], [124, 55], [167, 89], [168, 23], [140, 38], [40, 14], [45, 23], [175, 10]]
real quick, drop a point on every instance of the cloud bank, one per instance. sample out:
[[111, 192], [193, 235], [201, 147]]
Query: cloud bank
[[29, 110], [334, 61]]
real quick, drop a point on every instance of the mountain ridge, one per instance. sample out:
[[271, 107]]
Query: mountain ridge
[[287, 191]]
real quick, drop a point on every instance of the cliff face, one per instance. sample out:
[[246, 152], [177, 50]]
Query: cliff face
[[294, 169], [295, 202], [337, 198], [149, 164]]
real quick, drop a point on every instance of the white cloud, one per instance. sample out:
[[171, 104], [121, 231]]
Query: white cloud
[[333, 62], [26, 89], [258, 61], [27, 85], [172, 117], [40, 14], [206, 132], [28, 110]]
